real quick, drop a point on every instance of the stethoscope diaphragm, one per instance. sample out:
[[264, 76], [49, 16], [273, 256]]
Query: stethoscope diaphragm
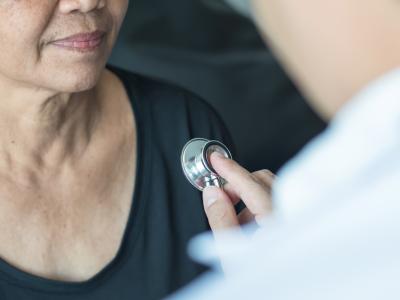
[[196, 165]]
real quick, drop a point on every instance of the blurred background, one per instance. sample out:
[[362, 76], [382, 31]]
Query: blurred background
[[212, 48]]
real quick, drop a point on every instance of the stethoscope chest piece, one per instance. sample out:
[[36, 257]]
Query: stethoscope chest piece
[[196, 163]]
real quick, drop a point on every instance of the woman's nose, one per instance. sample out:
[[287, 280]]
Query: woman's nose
[[68, 6]]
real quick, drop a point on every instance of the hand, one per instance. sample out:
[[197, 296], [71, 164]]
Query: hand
[[254, 189]]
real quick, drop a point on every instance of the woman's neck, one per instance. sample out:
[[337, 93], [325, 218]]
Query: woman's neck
[[41, 129]]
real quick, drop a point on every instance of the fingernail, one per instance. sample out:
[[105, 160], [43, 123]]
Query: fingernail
[[219, 155], [210, 195]]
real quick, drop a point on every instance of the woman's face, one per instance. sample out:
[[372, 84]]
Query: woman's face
[[57, 45]]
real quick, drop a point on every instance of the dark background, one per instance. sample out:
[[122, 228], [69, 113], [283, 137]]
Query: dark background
[[208, 48]]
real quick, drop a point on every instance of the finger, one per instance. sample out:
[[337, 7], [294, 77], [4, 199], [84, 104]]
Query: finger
[[263, 177], [230, 191], [243, 183], [219, 209], [245, 217]]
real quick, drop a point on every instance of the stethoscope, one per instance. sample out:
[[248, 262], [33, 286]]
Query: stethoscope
[[196, 163]]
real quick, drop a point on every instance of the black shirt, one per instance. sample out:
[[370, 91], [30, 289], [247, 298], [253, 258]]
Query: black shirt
[[166, 210]]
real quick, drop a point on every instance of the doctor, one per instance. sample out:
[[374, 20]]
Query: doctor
[[329, 225]]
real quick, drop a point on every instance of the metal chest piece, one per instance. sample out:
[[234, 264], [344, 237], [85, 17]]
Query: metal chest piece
[[196, 163]]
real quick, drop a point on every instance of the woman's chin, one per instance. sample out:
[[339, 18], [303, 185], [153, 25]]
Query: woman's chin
[[79, 82]]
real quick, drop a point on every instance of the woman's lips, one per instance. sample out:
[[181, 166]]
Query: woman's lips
[[82, 41]]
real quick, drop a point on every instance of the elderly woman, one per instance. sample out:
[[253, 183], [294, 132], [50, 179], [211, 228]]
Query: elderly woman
[[93, 204]]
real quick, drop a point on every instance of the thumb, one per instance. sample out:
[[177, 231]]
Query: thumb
[[219, 209]]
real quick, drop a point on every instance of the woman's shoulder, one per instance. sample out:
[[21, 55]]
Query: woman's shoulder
[[165, 98], [172, 109]]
